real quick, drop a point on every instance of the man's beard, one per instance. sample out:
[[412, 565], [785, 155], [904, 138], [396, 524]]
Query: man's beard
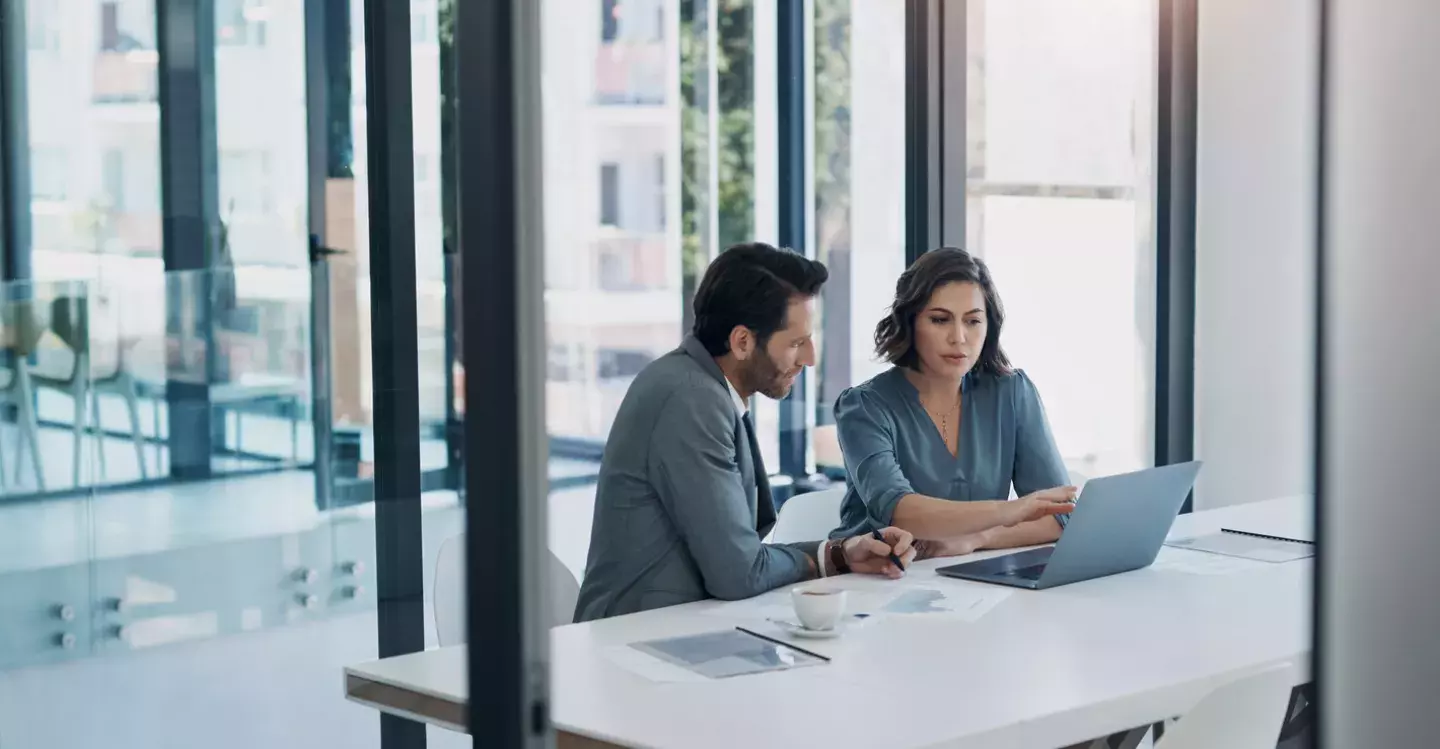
[[762, 375]]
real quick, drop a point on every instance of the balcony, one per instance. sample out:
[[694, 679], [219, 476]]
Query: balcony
[[633, 263], [126, 77], [630, 73]]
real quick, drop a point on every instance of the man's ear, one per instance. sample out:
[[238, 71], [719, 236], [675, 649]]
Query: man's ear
[[742, 342]]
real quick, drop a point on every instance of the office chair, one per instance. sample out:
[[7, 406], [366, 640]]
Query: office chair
[[449, 592]]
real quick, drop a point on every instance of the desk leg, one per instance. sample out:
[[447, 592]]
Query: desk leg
[[567, 740]]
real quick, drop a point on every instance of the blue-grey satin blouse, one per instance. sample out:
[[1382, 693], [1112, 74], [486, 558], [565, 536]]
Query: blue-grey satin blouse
[[892, 447]]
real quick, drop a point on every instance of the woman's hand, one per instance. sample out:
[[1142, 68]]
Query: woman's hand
[[1036, 505], [952, 547]]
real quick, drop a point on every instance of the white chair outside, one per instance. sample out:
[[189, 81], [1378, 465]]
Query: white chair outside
[[808, 517], [1245, 714], [449, 591]]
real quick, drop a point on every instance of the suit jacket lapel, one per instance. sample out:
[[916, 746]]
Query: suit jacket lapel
[[764, 507]]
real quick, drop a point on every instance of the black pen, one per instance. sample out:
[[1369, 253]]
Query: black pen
[[893, 559], [782, 643]]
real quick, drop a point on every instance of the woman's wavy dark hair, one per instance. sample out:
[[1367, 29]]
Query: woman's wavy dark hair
[[895, 335]]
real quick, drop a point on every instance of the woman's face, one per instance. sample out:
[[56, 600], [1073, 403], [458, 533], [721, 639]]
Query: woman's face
[[950, 329]]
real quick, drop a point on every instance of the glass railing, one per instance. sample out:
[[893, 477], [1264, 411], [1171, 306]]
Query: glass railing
[[158, 478]]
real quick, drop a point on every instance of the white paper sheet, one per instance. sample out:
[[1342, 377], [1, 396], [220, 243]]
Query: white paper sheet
[[966, 602], [1246, 547], [1203, 563], [649, 667]]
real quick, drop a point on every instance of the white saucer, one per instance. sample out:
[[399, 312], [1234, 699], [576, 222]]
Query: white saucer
[[795, 630]]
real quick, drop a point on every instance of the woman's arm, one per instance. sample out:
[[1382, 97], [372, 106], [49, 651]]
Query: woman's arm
[[1038, 465], [1033, 533], [931, 519], [867, 439], [1041, 529]]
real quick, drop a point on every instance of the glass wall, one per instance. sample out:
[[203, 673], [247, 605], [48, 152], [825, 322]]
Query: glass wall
[[1060, 130], [660, 149], [859, 190], [94, 139], [613, 227]]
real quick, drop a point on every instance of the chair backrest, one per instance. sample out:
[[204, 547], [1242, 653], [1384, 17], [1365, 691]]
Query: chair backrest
[[1247, 713], [25, 326], [449, 592], [808, 517], [70, 320]]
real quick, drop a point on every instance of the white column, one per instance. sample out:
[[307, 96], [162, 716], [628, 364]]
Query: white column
[[1255, 248], [1381, 344]]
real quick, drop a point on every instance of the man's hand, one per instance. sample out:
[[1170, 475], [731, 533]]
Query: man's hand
[[865, 554], [1041, 504]]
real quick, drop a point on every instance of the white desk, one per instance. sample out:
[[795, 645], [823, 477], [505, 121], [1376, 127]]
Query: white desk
[[1047, 668]]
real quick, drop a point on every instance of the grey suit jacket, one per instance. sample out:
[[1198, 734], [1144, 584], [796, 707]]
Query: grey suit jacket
[[678, 517]]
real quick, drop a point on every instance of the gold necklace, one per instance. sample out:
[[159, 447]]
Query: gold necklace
[[944, 424]]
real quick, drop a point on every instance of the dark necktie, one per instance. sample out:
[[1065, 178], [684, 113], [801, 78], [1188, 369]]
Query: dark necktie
[[765, 505]]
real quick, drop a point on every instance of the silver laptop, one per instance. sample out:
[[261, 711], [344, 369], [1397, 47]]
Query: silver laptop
[[1118, 525]]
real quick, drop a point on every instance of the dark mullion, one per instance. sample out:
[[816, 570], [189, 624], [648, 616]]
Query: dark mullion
[[1175, 235], [395, 363], [794, 212]]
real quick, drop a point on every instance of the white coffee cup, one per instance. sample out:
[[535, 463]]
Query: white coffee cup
[[818, 607]]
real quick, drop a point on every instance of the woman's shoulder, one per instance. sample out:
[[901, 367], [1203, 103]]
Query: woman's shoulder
[[1012, 384], [877, 393]]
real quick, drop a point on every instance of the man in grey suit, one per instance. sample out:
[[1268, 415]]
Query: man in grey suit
[[683, 500]]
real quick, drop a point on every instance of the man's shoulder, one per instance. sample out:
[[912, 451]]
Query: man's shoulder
[[677, 379]]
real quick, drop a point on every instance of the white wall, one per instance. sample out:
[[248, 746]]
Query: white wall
[[1254, 317]]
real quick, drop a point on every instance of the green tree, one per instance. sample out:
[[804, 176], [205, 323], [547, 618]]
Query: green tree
[[735, 98]]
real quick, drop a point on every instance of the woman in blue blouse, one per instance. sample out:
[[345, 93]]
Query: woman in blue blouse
[[934, 444]]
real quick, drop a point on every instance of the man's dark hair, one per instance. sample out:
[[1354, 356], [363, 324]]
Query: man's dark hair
[[751, 285], [895, 335]]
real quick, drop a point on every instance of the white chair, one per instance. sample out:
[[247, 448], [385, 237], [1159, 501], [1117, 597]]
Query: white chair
[[1245, 714], [449, 591], [808, 517]]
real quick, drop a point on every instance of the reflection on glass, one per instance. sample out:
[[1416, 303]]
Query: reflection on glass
[[612, 253], [1060, 131], [94, 138]]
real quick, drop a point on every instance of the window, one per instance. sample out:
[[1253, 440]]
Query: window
[[607, 290], [241, 22], [42, 28], [609, 20], [562, 364], [609, 194], [260, 118], [621, 364], [125, 26], [50, 173], [247, 187], [859, 172], [422, 29], [1059, 129], [662, 198], [112, 176]]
